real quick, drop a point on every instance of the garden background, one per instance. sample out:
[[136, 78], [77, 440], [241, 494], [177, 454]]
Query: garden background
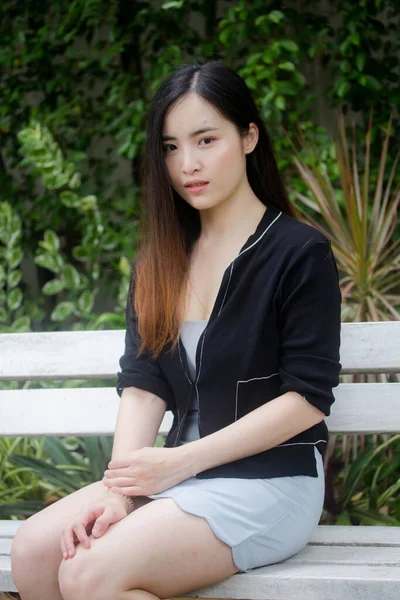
[[76, 81]]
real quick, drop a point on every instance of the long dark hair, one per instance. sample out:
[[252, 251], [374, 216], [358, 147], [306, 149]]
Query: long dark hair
[[169, 226]]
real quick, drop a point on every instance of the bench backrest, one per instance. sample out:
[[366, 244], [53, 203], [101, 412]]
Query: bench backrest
[[83, 355]]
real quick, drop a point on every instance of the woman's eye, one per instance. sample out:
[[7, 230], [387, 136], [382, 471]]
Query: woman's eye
[[166, 146], [207, 139]]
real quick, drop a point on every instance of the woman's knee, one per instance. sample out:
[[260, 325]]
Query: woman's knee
[[80, 577], [29, 552]]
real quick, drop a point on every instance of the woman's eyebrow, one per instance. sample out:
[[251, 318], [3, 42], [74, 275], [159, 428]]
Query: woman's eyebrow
[[166, 138]]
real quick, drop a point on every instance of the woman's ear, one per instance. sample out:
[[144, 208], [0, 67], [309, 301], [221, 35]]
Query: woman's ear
[[251, 139]]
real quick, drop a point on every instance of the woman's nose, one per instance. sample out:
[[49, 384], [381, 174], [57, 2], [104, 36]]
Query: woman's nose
[[189, 162]]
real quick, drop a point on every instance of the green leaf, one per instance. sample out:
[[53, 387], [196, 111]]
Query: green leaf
[[172, 4], [86, 302], [287, 88], [62, 311], [70, 482], [223, 37], [96, 272], [125, 266], [80, 253], [287, 66], [276, 16], [14, 237], [71, 277], [13, 279], [342, 88], [48, 261], [289, 45], [14, 256], [75, 181], [14, 299], [251, 82], [53, 287], [370, 82], [70, 199], [3, 315], [360, 61], [51, 240], [89, 202], [280, 102], [2, 274], [21, 325]]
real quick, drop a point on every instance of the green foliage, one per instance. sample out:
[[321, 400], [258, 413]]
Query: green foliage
[[359, 217], [75, 290], [35, 472], [13, 317], [369, 492]]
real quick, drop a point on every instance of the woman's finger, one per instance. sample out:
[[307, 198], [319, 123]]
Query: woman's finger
[[119, 481], [80, 532], [68, 535], [135, 490]]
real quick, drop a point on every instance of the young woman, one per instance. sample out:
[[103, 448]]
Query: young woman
[[233, 324]]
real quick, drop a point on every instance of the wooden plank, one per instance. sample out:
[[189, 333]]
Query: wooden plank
[[9, 527], [285, 581], [53, 411], [366, 347], [332, 535], [61, 355], [356, 535], [6, 581], [370, 347], [289, 581], [348, 555]]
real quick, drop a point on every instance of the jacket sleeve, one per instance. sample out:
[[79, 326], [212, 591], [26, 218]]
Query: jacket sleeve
[[141, 372], [309, 323]]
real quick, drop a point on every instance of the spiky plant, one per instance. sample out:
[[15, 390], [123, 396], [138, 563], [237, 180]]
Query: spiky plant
[[359, 215]]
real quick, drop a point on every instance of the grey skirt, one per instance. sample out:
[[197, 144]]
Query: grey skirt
[[264, 521]]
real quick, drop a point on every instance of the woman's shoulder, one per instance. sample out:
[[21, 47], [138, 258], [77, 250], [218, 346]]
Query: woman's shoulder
[[296, 234]]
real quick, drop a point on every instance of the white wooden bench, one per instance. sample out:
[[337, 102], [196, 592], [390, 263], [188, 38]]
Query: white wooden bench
[[339, 563]]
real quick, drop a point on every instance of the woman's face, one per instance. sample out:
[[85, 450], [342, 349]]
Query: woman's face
[[216, 154]]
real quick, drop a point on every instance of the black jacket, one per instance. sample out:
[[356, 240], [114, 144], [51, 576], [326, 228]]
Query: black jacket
[[274, 328]]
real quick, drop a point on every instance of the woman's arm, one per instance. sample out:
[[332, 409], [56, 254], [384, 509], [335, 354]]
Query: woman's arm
[[265, 427], [139, 418]]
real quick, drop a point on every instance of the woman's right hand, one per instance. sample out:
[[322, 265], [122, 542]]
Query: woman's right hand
[[94, 519]]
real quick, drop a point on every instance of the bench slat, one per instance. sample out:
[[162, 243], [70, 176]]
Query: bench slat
[[312, 574], [293, 581], [332, 535], [349, 555], [53, 411], [366, 347]]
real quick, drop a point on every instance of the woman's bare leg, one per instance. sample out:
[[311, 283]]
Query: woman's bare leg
[[36, 550]]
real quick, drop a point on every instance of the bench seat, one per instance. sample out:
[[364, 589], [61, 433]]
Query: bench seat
[[337, 561]]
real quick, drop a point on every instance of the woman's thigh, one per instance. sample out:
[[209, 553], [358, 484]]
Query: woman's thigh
[[160, 549], [39, 537]]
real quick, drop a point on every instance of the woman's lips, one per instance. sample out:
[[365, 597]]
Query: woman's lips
[[196, 189]]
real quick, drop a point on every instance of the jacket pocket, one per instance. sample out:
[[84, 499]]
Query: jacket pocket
[[253, 393]]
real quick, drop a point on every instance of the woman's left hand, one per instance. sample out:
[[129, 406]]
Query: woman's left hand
[[146, 471]]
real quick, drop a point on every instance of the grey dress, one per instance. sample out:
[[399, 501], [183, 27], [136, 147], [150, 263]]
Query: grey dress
[[264, 521]]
